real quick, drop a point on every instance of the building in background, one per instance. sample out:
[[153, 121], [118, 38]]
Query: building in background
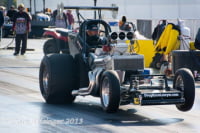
[[139, 10], [135, 9]]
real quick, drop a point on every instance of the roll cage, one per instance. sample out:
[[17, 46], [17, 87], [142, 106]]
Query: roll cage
[[82, 35], [83, 23]]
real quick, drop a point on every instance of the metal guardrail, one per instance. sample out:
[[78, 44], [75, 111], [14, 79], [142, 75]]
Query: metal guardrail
[[91, 8]]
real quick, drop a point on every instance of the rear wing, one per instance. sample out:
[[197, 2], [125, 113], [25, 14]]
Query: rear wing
[[114, 10], [91, 8]]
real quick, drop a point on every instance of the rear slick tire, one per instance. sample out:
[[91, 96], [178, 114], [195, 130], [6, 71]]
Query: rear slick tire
[[50, 46], [57, 78]]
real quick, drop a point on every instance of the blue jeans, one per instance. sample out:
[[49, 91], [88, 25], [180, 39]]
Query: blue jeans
[[69, 27]]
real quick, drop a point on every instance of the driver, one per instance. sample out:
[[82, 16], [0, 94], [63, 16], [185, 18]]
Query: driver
[[92, 37]]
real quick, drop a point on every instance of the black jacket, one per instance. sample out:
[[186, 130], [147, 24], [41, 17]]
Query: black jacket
[[11, 14], [197, 40], [158, 31], [1, 19]]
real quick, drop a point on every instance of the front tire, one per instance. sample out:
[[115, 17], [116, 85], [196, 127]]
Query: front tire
[[57, 78], [184, 81], [110, 92], [50, 46]]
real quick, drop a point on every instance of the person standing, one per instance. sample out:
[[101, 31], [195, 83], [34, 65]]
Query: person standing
[[60, 19], [1, 22], [11, 12], [124, 25], [1, 19], [21, 26], [158, 31], [70, 19]]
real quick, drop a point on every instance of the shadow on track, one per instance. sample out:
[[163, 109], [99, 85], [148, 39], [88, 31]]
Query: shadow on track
[[93, 114]]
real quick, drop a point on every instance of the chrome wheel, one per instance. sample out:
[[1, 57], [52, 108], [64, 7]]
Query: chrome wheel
[[179, 85], [110, 91], [105, 91], [45, 80]]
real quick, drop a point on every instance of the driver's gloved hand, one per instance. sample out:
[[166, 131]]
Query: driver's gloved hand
[[103, 41]]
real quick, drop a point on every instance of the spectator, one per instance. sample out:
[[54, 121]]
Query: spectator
[[1, 23], [122, 21], [1, 18], [3, 10], [21, 26], [123, 25], [184, 36], [11, 12], [60, 19], [158, 31], [48, 11], [70, 19], [197, 40]]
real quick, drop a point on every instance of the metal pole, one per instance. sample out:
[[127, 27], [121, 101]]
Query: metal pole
[[9, 4], [43, 6], [95, 4], [34, 6], [31, 6]]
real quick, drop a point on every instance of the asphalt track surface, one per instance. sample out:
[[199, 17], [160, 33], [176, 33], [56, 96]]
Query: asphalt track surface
[[22, 108]]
